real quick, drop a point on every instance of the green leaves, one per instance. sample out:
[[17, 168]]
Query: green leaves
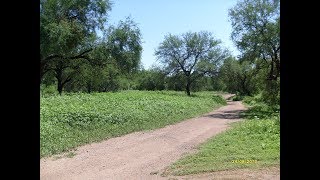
[[186, 50], [193, 54], [124, 44], [238, 77], [65, 24], [256, 33], [68, 31]]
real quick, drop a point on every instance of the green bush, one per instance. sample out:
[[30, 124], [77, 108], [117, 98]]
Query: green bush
[[237, 98], [48, 90]]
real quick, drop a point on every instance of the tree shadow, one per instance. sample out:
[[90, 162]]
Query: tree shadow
[[234, 114]]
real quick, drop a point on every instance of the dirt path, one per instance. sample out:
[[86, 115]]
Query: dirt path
[[141, 155]]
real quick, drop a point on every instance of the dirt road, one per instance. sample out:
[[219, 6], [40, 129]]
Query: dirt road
[[141, 155]]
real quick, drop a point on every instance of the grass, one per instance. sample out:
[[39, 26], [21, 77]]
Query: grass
[[70, 154], [71, 120], [252, 143]]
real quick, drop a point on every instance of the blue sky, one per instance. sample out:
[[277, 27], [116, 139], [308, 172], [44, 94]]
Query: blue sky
[[157, 18]]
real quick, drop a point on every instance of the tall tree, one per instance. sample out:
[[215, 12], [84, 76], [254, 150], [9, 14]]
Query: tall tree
[[113, 60], [66, 27], [256, 32], [195, 54], [125, 45]]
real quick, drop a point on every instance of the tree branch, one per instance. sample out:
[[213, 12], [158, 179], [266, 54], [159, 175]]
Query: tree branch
[[81, 55]]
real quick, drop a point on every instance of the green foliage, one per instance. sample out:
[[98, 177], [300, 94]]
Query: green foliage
[[252, 100], [271, 94], [204, 83], [49, 90], [68, 35], [153, 79], [219, 99], [256, 33], [176, 82], [259, 109], [255, 141], [256, 29], [79, 60], [64, 25], [216, 83], [125, 45], [238, 77], [192, 54], [237, 98], [75, 118]]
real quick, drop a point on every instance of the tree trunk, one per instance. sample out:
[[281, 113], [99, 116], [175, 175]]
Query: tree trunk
[[43, 70], [277, 62], [60, 86], [89, 87], [188, 86], [278, 68], [41, 74], [271, 71], [59, 79], [272, 75]]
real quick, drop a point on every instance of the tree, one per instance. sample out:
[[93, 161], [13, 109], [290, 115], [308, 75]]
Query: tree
[[256, 32], [121, 46], [124, 45], [116, 58], [62, 76], [88, 78], [66, 27], [238, 77], [193, 54], [71, 50]]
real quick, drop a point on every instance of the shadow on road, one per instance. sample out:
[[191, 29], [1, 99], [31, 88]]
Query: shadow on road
[[235, 114]]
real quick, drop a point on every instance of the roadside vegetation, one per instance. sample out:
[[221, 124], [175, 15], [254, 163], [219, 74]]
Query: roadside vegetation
[[74, 119], [252, 143]]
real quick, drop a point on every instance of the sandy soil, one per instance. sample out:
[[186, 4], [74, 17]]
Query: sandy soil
[[141, 155]]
